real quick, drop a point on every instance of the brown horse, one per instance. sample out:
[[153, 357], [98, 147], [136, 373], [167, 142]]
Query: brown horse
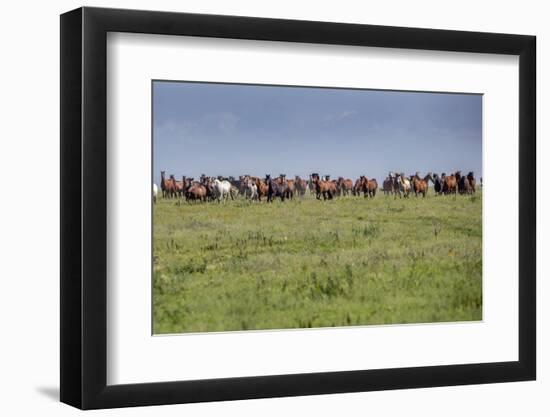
[[196, 192], [357, 186], [420, 185], [291, 190], [450, 184], [368, 187], [167, 186], [171, 187], [301, 186], [263, 188], [323, 188], [346, 185], [372, 187], [287, 185], [335, 187], [332, 185], [179, 186]]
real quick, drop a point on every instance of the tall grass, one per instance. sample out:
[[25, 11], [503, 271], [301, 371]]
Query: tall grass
[[309, 263]]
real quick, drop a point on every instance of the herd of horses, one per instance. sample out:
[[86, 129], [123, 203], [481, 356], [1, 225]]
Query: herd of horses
[[255, 188], [456, 183]]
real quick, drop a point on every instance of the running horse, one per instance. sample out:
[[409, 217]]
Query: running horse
[[420, 185], [402, 185], [388, 184], [369, 187], [276, 188]]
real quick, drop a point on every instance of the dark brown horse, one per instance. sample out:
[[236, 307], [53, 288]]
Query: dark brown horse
[[163, 184], [472, 181], [357, 187], [459, 183], [276, 188], [464, 185], [388, 185]]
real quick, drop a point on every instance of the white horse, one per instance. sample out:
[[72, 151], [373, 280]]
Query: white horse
[[222, 189], [251, 189], [404, 185], [155, 192]]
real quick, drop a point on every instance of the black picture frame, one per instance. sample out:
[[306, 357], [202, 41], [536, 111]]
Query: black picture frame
[[84, 207]]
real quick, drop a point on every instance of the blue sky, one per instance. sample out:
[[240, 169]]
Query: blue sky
[[232, 129]]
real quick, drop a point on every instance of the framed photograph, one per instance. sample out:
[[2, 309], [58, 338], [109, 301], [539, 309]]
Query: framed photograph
[[259, 208]]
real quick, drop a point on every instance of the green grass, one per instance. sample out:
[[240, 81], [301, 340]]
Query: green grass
[[309, 263]]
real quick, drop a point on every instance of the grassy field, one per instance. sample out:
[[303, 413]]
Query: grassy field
[[309, 263]]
